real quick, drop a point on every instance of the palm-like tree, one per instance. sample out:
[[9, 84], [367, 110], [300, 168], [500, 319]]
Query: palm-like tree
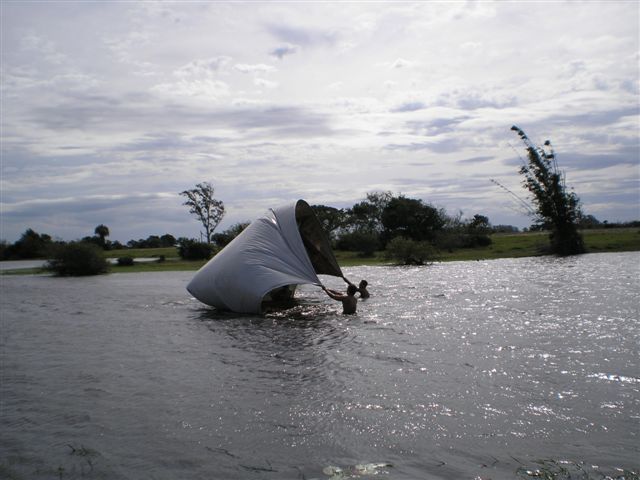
[[102, 231]]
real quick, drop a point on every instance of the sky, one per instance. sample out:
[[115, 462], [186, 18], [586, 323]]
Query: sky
[[110, 109]]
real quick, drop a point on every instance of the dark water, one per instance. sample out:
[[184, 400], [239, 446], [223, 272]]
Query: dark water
[[472, 370]]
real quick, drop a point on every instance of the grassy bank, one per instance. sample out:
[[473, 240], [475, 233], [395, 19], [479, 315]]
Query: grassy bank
[[503, 246]]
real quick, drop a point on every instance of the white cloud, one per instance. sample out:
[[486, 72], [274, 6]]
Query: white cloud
[[202, 68], [402, 63], [262, 82], [259, 68], [155, 97]]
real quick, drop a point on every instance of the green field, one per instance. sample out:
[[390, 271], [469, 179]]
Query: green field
[[503, 246]]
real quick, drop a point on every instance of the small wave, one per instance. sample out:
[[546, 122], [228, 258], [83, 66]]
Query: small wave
[[614, 378]]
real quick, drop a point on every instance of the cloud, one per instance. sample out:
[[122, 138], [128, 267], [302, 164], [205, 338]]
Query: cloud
[[283, 50], [306, 37], [209, 88], [202, 67], [409, 107], [402, 63], [415, 96], [259, 68], [473, 98], [445, 145], [573, 160], [262, 82], [435, 126], [475, 160]]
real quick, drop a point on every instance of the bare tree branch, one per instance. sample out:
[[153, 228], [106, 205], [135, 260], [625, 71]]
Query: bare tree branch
[[205, 207]]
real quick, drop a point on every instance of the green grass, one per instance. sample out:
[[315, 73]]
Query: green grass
[[168, 252], [535, 244], [612, 240], [503, 246]]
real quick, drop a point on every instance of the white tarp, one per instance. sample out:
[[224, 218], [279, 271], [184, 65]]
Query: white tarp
[[268, 254]]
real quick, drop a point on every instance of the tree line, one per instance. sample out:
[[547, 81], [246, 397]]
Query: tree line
[[409, 229]]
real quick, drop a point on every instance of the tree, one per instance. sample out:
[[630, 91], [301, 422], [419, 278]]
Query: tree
[[556, 209], [30, 245], [412, 219], [410, 252], [205, 207], [223, 239], [359, 241], [102, 231], [167, 240], [479, 224], [330, 218], [367, 215]]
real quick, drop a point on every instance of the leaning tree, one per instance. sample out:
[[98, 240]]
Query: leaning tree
[[556, 208], [205, 207]]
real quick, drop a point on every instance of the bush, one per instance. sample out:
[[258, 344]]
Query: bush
[[78, 259], [194, 250], [125, 261], [410, 252], [451, 241], [364, 242]]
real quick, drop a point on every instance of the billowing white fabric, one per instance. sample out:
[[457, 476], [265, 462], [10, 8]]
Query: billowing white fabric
[[268, 254]]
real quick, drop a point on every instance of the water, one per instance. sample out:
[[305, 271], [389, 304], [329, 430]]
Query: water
[[514, 368]]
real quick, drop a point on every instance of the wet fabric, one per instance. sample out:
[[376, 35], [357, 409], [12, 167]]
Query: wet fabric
[[273, 251]]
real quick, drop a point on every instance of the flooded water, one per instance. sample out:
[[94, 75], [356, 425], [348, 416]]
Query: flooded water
[[515, 368]]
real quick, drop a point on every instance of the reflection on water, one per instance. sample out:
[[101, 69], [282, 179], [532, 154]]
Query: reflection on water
[[499, 369]]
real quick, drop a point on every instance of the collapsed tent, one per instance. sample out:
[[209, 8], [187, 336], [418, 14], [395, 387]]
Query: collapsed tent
[[285, 248]]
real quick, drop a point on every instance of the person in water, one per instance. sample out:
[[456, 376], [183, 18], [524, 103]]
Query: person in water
[[362, 287], [349, 300]]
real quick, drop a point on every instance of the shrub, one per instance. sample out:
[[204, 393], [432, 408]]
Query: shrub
[[410, 252], [451, 241], [194, 250], [359, 241], [78, 259], [125, 261]]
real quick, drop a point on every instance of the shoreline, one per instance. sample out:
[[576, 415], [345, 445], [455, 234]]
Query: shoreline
[[530, 244]]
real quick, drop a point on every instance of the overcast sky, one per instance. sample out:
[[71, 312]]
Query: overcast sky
[[109, 109]]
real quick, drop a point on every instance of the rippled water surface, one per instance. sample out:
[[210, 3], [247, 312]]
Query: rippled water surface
[[499, 369]]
